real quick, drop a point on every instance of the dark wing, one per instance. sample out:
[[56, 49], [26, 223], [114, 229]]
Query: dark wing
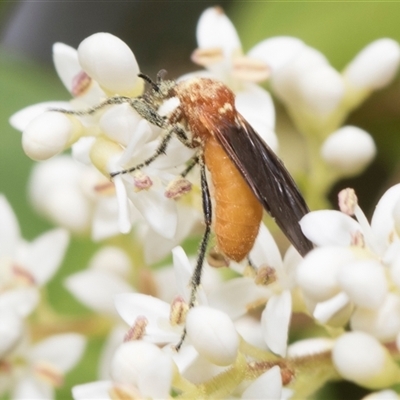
[[268, 178]]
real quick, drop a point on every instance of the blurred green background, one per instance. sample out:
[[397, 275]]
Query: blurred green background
[[162, 35]]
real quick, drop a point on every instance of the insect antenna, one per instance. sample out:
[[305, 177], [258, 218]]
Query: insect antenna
[[150, 81]]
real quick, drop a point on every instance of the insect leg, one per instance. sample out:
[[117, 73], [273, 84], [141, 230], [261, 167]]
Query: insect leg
[[193, 162], [207, 210], [90, 111], [159, 151]]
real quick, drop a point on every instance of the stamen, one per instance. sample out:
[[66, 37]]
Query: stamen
[[265, 275], [80, 84], [49, 374], [137, 330], [179, 309], [177, 188], [141, 181]]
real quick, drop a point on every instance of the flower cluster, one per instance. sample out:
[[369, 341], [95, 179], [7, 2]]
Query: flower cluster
[[30, 370], [236, 339]]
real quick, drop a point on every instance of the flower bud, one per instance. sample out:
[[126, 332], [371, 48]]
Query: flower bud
[[277, 52], [382, 323], [216, 31], [212, 334], [320, 89], [110, 61], [49, 134], [360, 358], [349, 150], [131, 358], [375, 66], [317, 274], [364, 282]]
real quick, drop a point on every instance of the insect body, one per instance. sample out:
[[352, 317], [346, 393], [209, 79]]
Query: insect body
[[246, 173], [206, 107]]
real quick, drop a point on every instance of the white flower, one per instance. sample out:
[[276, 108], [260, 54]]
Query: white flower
[[36, 370], [111, 139], [106, 277], [27, 264], [220, 52], [139, 369], [348, 277], [161, 327]]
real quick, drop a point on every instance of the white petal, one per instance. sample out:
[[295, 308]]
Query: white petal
[[252, 102], [395, 271], [156, 246], [183, 271], [256, 105], [63, 350], [9, 229], [334, 311], [158, 211], [110, 62], [329, 227], [266, 386], [11, 329], [183, 359], [44, 255], [112, 259], [277, 52], [120, 122], [113, 340], [236, 296], [349, 150], [382, 395], [66, 62], [96, 289], [81, 149], [382, 323], [49, 134], [212, 334], [99, 390], [382, 222], [307, 347], [317, 274], [265, 250], [364, 282], [102, 227], [215, 30], [30, 388], [275, 321], [249, 328], [375, 66], [22, 118], [133, 305], [21, 301]]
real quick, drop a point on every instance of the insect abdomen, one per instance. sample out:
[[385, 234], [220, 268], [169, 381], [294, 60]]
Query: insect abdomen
[[237, 211]]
